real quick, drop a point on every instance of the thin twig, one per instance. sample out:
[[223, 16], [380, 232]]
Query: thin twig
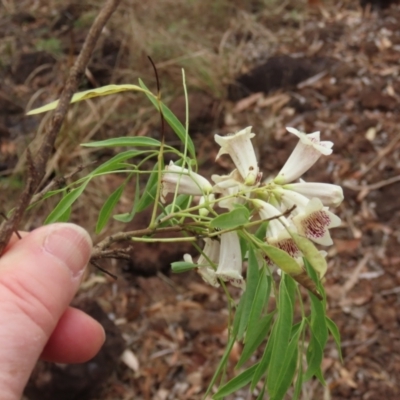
[[37, 170], [59, 182]]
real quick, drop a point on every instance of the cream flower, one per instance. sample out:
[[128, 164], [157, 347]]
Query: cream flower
[[307, 151], [205, 269], [277, 234], [230, 260], [330, 195], [188, 182], [228, 185], [315, 222], [240, 148]]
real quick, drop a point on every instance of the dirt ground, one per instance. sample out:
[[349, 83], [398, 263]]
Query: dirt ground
[[311, 65]]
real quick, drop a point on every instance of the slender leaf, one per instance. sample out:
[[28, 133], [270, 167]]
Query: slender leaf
[[232, 219], [172, 121], [236, 383], [265, 359], [333, 329], [135, 141], [221, 364], [279, 363], [65, 203], [319, 330], [108, 207], [261, 231], [128, 217], [255, 337], [115, 162], [253, 274], [88, 94], [150, 190], [314, 356], [238, 316], [66, 215], [291, 362]]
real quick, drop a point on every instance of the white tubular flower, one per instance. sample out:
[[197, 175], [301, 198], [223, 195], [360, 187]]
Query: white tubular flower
[[240, 148], [276, 234], [230, 260], [228, 185], [188, 182], [315, 222], [330, 195], [206, 271], [290, 198], [305, 154]]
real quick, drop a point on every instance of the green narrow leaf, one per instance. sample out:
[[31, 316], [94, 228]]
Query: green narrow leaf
[[88, 94], [65, 203], [126, 141], [172, 121], [260, 302], [314, 356], [221, 364], [150, 190], [299, 381], [236, 383], [261, 231], [265, 359], [319, 329], [279, 363], [115, 162], [238, 316], [253, 274], [128, 217], [333, 329], [232, 219], [291, 362], [255, 338], [108, 207], [66, 215]]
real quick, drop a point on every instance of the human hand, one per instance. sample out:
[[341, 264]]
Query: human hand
[[39, 276]]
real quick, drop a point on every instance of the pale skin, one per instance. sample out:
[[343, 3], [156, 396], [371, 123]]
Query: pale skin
[[39, 276]]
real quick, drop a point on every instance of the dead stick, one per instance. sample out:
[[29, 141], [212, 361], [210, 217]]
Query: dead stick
[[37, 170]]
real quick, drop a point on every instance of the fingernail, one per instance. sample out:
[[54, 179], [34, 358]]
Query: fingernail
[[71, 244]]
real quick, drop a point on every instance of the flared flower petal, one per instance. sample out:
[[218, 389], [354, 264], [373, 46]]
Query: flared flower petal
[[315, 222], [330, 195], [240, 148], [188, 182], [307, 151], [230, 260]]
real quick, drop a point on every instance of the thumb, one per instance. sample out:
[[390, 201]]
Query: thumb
[[39, 275]]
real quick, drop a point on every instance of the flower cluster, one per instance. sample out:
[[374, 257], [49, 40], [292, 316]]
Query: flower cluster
[[309, 202]]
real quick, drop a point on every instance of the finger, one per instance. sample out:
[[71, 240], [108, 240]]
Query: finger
[[14, 239], [39, 275], [77, 338]]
